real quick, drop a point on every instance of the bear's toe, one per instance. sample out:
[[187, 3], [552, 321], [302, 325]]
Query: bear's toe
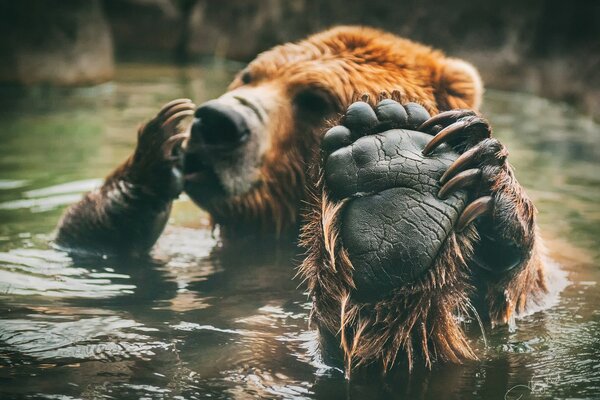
[[335, 138], [360, 119], [391, 113], [417, 115]]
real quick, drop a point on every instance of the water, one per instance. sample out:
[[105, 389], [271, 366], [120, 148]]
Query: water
[[200, 321]]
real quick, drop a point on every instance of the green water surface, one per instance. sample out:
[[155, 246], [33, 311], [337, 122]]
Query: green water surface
[[199, 322]]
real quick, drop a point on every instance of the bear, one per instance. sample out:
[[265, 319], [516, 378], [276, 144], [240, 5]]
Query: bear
[[369, 149]]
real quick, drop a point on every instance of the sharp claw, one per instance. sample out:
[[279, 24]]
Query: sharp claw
[[444, 135], [170, 104], [461, 163], [479, 207], [177, 108], [174, 119], [444, 117], [173, 142], [460, 181], [474, 126]]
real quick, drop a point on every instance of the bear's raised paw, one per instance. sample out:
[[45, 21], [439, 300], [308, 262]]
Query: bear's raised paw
[[156, 162], [394, 222]]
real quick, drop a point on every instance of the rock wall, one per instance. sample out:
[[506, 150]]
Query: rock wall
[[547, 47], [65, 42]]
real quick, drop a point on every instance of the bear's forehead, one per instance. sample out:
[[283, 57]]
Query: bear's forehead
[[323, 51], [347, 62], [343, 50]]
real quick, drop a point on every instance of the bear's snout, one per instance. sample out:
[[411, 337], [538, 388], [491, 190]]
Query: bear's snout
[[219, 127], [224, 152]]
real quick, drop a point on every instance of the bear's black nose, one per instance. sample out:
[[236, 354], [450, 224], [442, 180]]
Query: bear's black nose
[[218, 126]]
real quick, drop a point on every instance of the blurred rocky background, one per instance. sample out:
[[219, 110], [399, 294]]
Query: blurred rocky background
[[546, 47]]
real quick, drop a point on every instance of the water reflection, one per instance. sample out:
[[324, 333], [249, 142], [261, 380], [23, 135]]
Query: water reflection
[[30, 272], [199, 318], [61, 339]]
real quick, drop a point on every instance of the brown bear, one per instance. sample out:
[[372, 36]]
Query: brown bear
[[412, 223]]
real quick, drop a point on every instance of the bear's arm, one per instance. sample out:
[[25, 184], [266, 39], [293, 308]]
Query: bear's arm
[[120, 217], [127, 214]]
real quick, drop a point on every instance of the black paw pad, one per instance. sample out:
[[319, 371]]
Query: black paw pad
[[394, 223], [336, 137], [360, 118], [417, 115], [391, 113]]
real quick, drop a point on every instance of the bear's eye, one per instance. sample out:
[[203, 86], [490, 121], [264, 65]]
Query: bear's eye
[[246, 77], [314, 102]]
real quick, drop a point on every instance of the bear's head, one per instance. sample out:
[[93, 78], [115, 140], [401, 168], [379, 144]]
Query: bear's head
[[247, 156]]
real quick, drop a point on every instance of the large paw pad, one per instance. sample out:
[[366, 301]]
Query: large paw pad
[[394, 223]]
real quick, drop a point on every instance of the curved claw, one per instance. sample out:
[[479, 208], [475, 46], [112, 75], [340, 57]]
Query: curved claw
[[477, 208], [463, 180], [456, 129], [172, 142], [465, 160], [170, 104], [177, 108], [176, 118], [444, 117], [444, 135]]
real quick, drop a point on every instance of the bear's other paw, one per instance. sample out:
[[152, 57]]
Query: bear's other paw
[[156, 163]]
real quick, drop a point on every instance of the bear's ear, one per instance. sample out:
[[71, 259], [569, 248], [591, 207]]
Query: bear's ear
[[460, 85]]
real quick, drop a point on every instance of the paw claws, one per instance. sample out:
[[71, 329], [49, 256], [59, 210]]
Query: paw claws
[[445, 117], [172, 143], [463, 180], [465, 160], [488, 152], [171, 104], [383, 95], [396, 95], [174, 119], [477, 208], [445, 134], [176, 109], [475, 126]]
